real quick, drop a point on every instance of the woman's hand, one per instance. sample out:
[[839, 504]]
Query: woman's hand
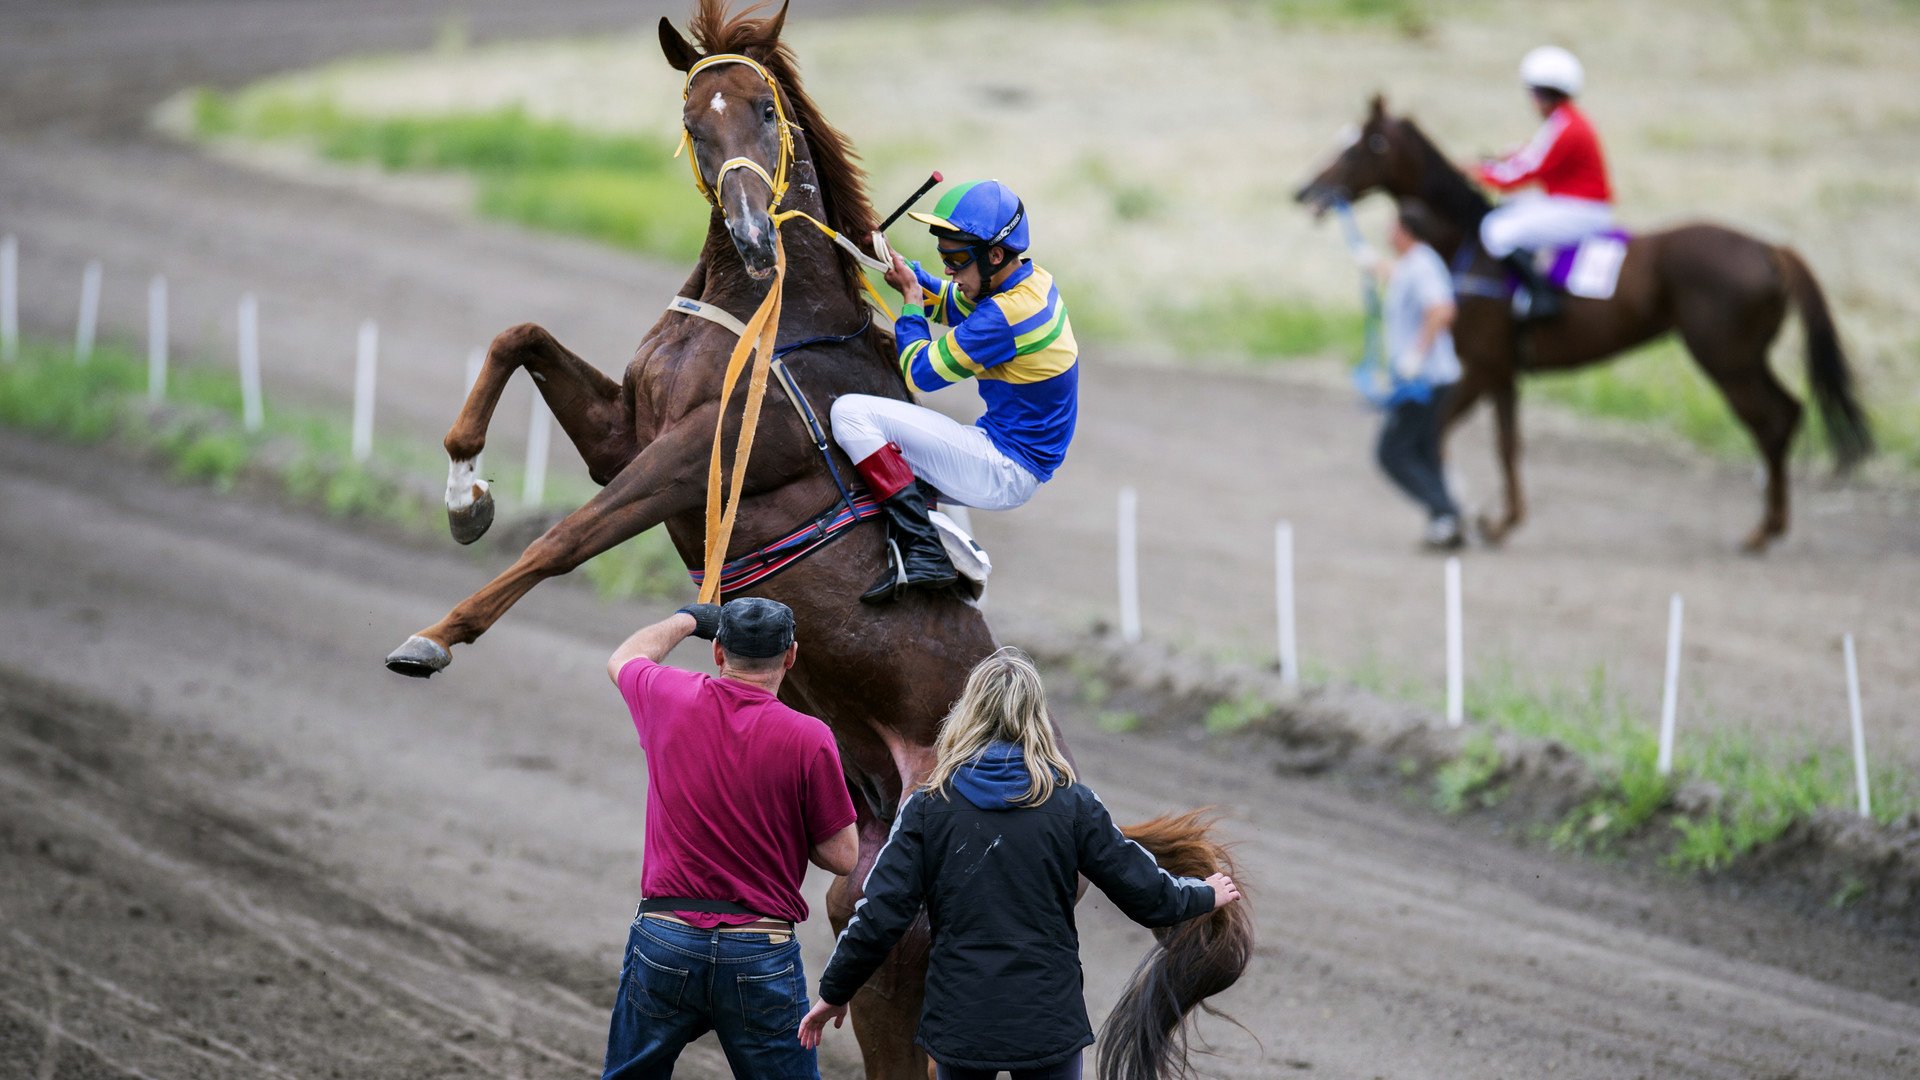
[[814, 1024], [1224, 892]]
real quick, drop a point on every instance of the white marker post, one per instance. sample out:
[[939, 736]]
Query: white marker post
[[157, 339], [1283, 603], [1859, 731], [1456, 690], [252, 414], [83, 334], [1129, 565], [9, 298], [365, 363], [1670, 697], [539, 434]]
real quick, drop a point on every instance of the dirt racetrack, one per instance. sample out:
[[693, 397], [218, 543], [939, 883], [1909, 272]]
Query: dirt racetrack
[[232, 846]]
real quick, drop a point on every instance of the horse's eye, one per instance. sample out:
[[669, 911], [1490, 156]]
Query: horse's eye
[[1377, 143], [767, 113]]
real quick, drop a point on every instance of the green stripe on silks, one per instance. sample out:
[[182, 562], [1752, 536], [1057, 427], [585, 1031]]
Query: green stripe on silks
[[1059, 326], [940, 352], [907, 358]]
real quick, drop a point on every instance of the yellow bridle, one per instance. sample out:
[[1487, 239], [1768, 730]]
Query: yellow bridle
[[752, 355], [777, 181]]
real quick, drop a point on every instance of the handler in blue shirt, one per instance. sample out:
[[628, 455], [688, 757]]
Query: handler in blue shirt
[[1418, 320]]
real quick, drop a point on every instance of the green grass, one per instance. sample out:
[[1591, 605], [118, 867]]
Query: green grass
[[1470, 779], [1262, 329], [623, 189], [1228, 715], [199, 439], [1764, 789]]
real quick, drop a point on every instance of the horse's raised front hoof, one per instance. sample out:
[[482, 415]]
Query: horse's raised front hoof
[[471, 522], [419, 658]]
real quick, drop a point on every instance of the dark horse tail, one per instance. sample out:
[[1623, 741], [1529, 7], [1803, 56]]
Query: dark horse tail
[[1145, 1037], [1827, 370]]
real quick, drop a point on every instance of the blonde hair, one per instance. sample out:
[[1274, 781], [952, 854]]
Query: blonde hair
[[1003, 701]]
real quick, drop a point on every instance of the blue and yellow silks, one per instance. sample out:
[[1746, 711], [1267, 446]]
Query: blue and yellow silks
[[1019, 344]]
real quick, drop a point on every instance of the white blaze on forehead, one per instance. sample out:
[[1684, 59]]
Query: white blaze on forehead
[[718, 104], [463, 485]]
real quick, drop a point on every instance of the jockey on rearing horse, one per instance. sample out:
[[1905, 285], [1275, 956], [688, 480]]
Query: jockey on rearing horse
[[1564, 158], [1009, 329]]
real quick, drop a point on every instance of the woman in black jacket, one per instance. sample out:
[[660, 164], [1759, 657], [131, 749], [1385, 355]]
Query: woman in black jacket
[[993, 845]]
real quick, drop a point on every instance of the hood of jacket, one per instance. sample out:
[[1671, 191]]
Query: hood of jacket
[[996, 780]]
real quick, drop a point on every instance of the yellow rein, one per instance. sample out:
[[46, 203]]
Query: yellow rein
[[762, 330]]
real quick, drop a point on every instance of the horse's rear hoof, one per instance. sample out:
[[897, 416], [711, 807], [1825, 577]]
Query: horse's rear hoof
[[419, 657], [471, 522], [1492, 533]]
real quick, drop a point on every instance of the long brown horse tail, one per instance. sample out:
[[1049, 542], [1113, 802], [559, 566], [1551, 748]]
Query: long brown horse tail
[[1145, 1037], [1827, 370]]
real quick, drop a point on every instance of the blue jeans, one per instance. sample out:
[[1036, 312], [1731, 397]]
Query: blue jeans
[[680, 982]]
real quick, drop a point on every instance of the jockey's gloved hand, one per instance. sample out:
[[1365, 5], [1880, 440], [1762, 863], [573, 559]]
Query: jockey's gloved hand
[[706, 619]]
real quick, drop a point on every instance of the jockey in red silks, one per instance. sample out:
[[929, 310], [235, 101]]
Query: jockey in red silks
[[1009, 330], [1564, 160]]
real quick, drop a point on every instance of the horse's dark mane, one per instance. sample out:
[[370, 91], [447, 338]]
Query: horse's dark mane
[[843, 183], [1443, 188]]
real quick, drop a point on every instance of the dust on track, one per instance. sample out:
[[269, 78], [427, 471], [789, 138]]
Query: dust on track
[[149, 932]]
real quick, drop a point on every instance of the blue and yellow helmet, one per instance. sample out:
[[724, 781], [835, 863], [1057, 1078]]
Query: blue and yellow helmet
[[986, 211]]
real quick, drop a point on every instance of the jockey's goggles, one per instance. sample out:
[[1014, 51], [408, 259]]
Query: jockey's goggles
[[958, 259]]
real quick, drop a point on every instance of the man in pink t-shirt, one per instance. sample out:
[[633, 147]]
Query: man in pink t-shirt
[[742, 792]]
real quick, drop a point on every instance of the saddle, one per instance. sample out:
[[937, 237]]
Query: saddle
[[1588, 269], [970, 560]]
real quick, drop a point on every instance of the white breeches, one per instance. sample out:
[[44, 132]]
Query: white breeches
[[956, 458], [1534, 222]]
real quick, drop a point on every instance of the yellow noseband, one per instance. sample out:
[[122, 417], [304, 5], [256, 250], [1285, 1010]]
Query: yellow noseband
[[777, 181]]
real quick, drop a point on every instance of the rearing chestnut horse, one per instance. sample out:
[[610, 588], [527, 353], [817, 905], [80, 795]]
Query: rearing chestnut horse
[[1725, 292], [882, 677]]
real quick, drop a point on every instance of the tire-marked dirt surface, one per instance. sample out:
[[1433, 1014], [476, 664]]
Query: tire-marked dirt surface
[[233, 845], [230, 844]]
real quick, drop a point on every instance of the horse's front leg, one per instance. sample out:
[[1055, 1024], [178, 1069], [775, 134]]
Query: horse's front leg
[[886, 1009], [1506, 416], [667, 478], [587, 403]]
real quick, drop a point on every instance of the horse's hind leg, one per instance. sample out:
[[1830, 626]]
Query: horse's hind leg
[[1731, 347], [1772, 416], [588, 405]]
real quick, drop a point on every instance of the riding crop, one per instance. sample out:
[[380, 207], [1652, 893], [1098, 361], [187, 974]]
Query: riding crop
[[911, 199]]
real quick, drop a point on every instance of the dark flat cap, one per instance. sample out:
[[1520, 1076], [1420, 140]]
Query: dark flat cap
[[754, 627]]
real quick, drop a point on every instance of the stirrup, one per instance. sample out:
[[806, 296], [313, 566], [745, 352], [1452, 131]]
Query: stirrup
[[888, 588]]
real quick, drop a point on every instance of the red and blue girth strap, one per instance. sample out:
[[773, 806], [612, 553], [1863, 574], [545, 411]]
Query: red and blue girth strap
[[764, 562]]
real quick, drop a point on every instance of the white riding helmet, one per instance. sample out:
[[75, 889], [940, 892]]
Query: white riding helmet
[[1553, 68]]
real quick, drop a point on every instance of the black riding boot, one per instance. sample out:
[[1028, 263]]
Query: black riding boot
[[923, 557], [1543, 300]]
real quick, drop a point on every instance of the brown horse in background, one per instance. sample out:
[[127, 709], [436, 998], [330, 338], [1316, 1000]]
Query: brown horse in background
[[882, 677], [1725, 292]]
